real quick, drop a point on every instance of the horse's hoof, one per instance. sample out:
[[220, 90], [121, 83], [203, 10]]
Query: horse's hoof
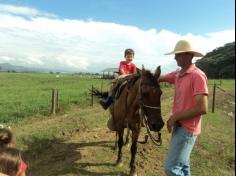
[[133, 174], [127, 145], [146, 138], [119, 164]]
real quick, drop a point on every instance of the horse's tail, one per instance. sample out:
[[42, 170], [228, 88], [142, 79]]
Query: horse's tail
[[98, 93]]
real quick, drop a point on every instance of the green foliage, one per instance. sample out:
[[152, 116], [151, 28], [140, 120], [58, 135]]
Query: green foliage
[[220, 63]]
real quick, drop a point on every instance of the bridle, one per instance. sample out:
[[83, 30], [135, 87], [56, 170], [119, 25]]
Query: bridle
[[150, 107], [143, 113]]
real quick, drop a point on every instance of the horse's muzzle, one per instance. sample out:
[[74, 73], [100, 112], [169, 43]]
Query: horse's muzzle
[[157, 126]]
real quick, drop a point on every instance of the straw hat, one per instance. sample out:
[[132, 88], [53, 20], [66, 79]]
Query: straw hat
[[184, 46]]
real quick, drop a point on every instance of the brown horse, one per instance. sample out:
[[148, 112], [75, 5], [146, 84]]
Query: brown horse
[[143, 96], [139, 99]]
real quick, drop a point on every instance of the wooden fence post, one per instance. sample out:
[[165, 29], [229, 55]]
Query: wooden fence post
[[53, 106], [92, 97], [57, 100], [102, 85], [213, 98]]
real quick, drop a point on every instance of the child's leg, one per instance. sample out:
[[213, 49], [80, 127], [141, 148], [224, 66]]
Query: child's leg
[[110, 91], [105, 104], [109, 99]]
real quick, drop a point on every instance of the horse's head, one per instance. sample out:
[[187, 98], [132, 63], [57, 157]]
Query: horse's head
[[150, 95]]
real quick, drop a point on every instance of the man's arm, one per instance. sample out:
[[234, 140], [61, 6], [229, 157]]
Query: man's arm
[[161, 79], [200, 108]]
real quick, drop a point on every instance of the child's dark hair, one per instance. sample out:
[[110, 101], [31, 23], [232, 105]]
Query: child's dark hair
[[6, 137], [129, 51], [10, 161]]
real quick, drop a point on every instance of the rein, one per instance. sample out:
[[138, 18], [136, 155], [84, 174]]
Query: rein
[[157, 141]]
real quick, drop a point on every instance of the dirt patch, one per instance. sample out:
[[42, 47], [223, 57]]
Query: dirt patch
[[90, 153]]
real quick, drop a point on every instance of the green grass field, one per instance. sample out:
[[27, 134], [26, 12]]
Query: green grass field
[[23, 94], [79, 130]]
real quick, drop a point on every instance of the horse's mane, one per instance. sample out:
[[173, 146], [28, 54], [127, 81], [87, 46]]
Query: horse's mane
[[148, 74]]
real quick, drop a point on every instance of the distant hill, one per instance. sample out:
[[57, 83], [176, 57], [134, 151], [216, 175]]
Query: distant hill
[[13, 68], [6, 67], [219, 63]]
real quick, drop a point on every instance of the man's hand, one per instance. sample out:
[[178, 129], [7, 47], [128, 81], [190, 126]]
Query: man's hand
[[170, 123]]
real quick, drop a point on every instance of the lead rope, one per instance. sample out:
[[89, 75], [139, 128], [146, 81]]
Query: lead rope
[[157, 142]]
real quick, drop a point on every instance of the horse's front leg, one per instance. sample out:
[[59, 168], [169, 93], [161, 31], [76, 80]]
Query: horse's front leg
[[135, 134], [120, 145], [127, 137]]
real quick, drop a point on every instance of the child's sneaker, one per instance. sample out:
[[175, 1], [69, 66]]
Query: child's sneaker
[[103, 104]]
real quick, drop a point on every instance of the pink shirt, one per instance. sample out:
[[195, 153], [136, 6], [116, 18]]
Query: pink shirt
[[127, 68], [187, 85], [23, 168]]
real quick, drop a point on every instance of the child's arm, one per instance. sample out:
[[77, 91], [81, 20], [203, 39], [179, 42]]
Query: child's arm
[[122, 72]]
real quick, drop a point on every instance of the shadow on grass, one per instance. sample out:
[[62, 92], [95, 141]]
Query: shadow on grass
[[56, 157]]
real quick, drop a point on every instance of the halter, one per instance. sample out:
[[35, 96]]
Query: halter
[[141, 98], [151, 107], [142, 113]]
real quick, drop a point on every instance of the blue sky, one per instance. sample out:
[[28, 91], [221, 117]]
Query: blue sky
[[181, 16], [88, 35]]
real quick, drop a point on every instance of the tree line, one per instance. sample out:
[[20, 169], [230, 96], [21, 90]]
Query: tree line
[[219, 63]]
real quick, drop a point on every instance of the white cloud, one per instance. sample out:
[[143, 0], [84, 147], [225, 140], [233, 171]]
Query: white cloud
[[89, 45], [20, 10]]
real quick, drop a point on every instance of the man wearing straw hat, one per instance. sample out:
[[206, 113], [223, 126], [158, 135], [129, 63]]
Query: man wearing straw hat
[[190, 102]]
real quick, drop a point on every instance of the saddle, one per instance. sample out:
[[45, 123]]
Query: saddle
[[118, 87], [120, 84]]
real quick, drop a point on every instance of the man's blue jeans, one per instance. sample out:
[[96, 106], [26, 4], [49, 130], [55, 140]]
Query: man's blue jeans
[[178, 158]]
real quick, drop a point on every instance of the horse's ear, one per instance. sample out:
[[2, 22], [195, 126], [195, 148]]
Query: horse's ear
[[157, 72], [143, 69]]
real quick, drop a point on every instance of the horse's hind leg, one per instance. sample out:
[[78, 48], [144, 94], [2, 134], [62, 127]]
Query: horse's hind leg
[[135, 134], [120, 145]]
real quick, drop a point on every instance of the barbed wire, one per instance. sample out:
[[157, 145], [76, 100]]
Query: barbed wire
[[229, 94]]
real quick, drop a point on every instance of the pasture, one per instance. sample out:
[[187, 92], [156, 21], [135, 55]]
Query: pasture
[[24, 94], [76, 141]]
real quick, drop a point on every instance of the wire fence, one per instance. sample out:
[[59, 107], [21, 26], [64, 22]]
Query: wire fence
[[41, 102], [21, 103], [223, 100]]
